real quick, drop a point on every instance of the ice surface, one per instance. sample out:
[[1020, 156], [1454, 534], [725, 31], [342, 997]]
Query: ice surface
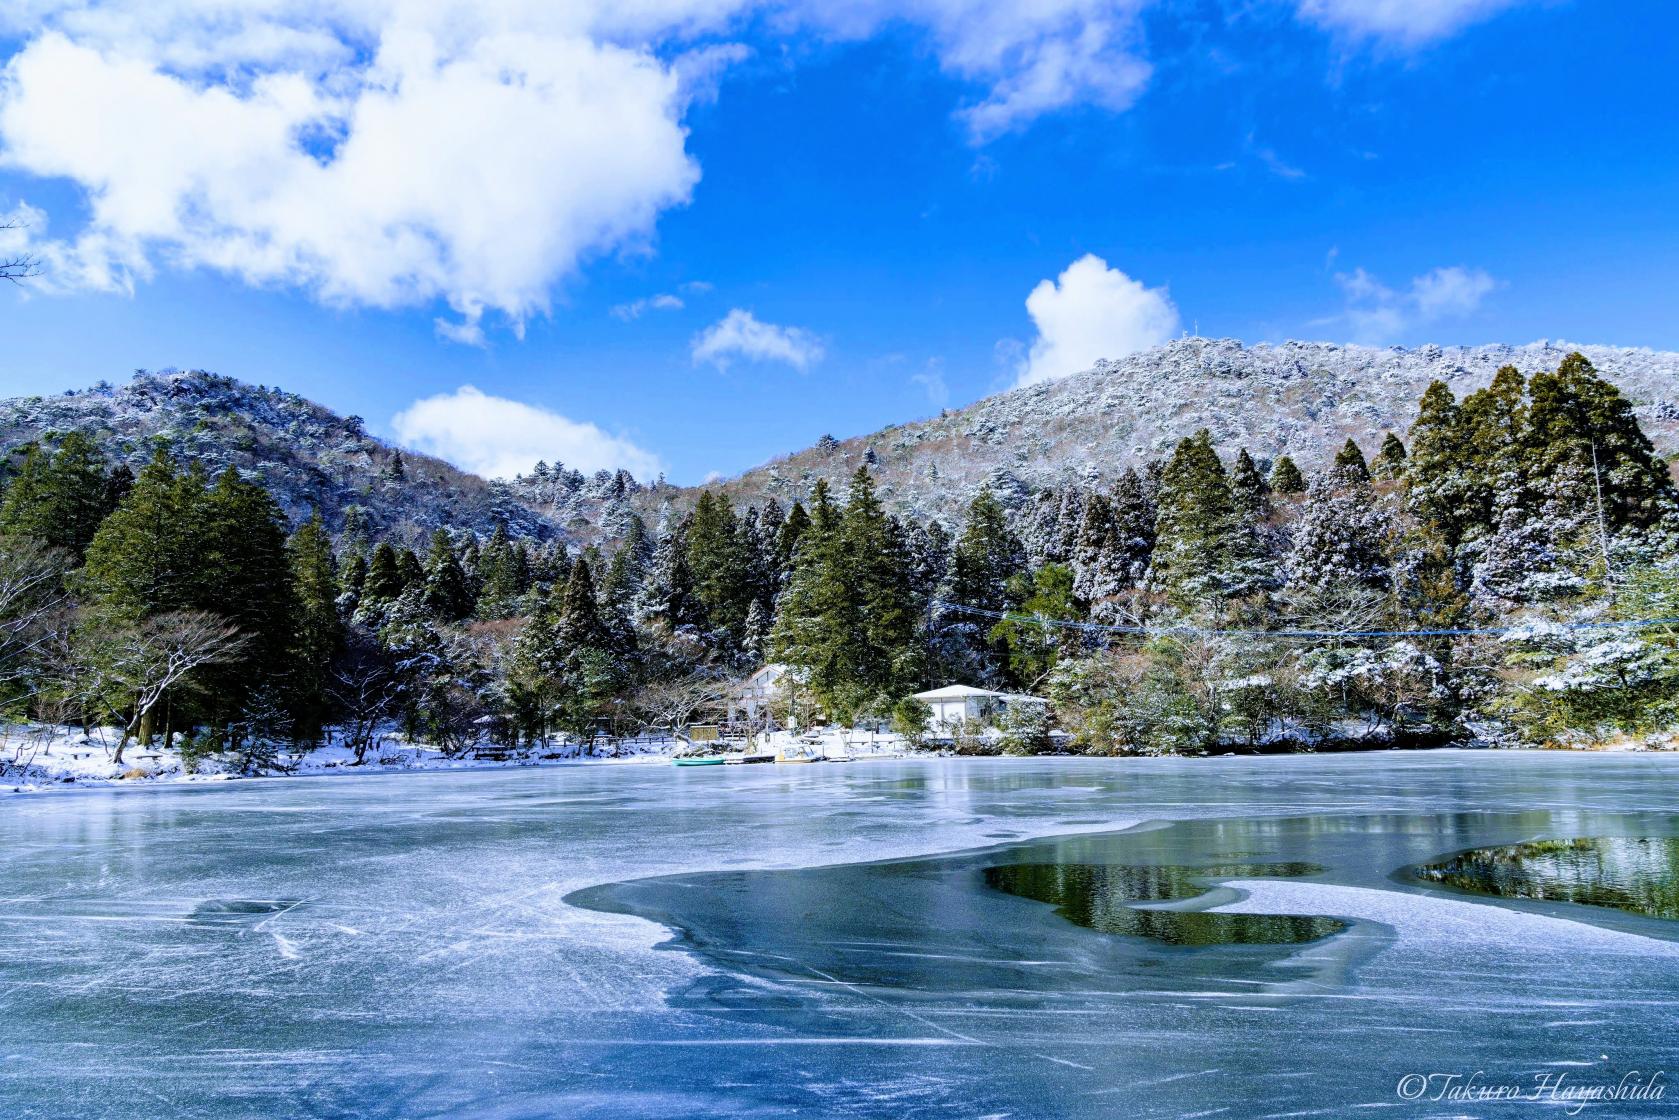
[[400, 945]]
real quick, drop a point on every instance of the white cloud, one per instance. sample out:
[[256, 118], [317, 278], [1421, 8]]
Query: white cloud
[[391, 153], [742, 334], [635, 309], [931, 380], [499, 438], [1092, 311], [470, 160], [1034, 56], [1404, 23], [1378, 313], [469, 331]]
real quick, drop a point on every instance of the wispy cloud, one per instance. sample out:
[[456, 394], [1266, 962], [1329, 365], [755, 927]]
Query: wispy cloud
[[635, 309], [1402, 23], [1377, 313], [931, 380], [740, 334]]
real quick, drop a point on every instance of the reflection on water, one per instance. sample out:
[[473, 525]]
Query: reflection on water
[[1103, 897], [1635, 873]]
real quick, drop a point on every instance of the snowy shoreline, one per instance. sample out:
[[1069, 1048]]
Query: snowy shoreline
[[36, 762], [39, 760]]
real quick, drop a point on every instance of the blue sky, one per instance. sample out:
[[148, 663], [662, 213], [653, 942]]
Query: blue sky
[[692, 234]]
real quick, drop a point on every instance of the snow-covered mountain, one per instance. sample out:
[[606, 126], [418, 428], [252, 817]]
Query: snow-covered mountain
[[308, 456], [1297, 397], [1302, 398]]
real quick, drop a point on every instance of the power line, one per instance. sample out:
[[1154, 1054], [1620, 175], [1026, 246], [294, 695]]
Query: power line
[[1202, 631]]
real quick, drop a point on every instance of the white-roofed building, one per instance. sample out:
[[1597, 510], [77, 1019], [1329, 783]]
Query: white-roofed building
[[962, 704]]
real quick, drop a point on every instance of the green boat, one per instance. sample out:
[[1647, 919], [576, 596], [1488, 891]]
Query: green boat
[[714, 760]]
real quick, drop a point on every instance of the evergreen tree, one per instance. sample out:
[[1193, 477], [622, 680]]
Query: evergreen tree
[[246, 577], [929, 548], [1205, 552], [1135, 513], [498, 584], [1389, 462], [590, 670], [26, 511], [1101, 566], [717, 559], [626, 574], [1436, 486], [984, 561], [668, 598], [850, 618], [1339, 538], [579, 623], [1286, 477], [1581, 430], [58, 499], [146, 558], [758, 628], [409, 570], [1048, 595], [446, 592], [987, 555], [761, 530], [787, 541], [352, 580], [1249, 488], [318, 629], [536, 672], [117, 485], [1350, 469], [384, 575]]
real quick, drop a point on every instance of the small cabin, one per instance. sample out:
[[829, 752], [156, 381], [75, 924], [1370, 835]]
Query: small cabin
[[961, 704], [752, 697]]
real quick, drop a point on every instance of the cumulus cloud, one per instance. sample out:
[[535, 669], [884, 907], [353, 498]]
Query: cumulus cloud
[[635, 309], [1092, 311], [740, 334], [499, 438], [1403, 23], [468, 152], [1377, 313], [477, 168]]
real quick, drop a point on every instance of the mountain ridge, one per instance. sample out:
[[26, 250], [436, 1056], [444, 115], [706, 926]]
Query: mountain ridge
[[1300, 398], [308, 456]]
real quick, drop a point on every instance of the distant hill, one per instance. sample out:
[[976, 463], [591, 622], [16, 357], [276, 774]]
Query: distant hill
[[308, 456], [1302, 398]]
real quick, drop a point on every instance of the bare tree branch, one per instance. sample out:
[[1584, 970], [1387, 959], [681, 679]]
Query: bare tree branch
[[31, 594], [20, 267], [164, 650]]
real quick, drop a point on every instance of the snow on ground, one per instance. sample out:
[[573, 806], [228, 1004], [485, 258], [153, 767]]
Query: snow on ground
[[39, 757], [36, 757]]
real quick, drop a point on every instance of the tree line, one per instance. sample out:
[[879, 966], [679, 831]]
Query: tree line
[[179, 605]]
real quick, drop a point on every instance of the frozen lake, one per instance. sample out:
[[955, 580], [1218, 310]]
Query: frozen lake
[[941, 938]]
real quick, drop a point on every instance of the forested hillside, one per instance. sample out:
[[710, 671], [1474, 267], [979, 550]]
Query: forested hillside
[[1302, 399], [308, 457], [1489, 574]]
